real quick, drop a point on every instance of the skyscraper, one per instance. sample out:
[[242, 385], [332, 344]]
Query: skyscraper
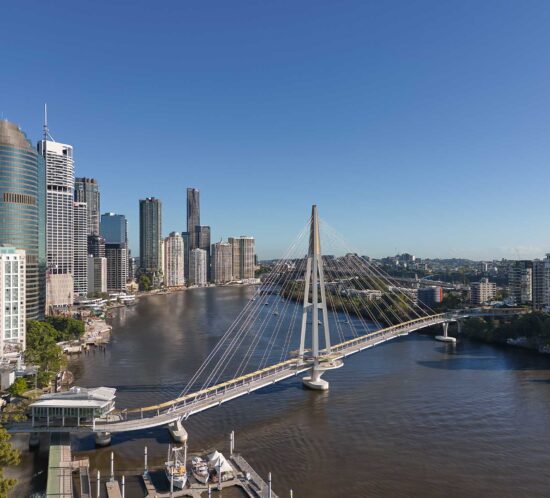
[[96, 246], [243, 252], [87, 190], [150, 230], [173, 260], [59, 205], [114, 228], [97, 274], [80, 265], [197, 270], [22, 210], [520, 281], [12, 301], [221, 263], [193, 216], [202, 236], [117, 267]]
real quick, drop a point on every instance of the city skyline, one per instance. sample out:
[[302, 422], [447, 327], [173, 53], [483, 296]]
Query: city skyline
[[418, 109]]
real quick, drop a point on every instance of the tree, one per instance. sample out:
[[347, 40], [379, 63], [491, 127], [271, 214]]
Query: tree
[[8, 456], [144, 283], [42, 349], [18, 387]]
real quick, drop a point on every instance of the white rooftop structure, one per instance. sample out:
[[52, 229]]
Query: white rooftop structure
[[77, 404]]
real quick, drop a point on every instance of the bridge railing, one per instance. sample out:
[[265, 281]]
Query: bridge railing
[[222, 390]]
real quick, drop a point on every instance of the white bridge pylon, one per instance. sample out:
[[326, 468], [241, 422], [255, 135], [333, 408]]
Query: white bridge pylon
[[315, 281]]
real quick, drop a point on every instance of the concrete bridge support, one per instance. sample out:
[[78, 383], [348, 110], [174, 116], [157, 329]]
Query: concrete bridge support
[[314, 381], [445, 337], [102, 438]]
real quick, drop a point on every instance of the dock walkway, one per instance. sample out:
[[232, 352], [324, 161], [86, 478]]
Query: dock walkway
[[60, 470], [258, 485]]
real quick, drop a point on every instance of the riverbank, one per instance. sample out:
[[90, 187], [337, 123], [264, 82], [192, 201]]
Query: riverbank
[[530, 331]]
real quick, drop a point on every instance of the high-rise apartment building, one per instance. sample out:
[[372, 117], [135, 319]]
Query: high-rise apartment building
[[80, 265], [197, 269], [243, 252], [117, 267], [538, 292], [87, 190], [114, 228], [150, 230], [520, 281], [482, 291], [174, 249], [193, 216], [97, 275], [12, 300], [221, 263], [22, 210]]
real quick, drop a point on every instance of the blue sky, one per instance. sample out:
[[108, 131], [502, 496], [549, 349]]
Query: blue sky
[[415, 126]]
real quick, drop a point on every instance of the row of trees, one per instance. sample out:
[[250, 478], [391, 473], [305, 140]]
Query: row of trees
[[533, 326]]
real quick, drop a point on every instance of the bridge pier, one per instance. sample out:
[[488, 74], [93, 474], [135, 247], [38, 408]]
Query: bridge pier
[[177, 431], [314, 380], [445, 337], [102, 438]]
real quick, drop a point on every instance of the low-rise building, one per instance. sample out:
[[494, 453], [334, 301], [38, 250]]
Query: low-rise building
[[77, 406], [482, 291]]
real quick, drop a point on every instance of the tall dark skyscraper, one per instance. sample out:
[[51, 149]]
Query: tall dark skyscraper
[[87, 190], [193, 216], [23, 210], [150, 230], [202, 236]]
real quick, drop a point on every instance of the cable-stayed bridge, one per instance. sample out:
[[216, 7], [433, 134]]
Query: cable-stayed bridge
[[308, 315]]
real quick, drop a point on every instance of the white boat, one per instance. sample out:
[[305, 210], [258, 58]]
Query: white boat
[[175, 466], [199, 468]]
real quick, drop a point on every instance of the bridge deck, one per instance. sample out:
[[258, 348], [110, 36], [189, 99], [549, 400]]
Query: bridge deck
[[190, 404]]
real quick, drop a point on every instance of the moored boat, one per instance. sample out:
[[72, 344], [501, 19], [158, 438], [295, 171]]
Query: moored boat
[[175, 466], [199, 468]]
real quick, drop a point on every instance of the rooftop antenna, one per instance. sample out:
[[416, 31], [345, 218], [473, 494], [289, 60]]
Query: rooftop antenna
[[46, 129]]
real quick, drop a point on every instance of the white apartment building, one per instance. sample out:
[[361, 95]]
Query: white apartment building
[[197, 267], [174, 257], [12, 300], [482, 291]]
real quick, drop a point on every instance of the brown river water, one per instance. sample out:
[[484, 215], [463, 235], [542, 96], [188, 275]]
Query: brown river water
[[409, 418]]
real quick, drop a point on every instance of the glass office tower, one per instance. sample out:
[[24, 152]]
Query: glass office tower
[[23, 210]]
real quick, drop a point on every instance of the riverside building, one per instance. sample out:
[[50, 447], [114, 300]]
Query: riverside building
[[150, 229], [243, 256], [222, 263], [520, 281], [97, 275], [12, 300], [59, 163], [197, 267], [174, 249], [22, 211]]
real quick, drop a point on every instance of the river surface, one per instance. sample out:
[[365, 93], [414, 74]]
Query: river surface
[[409, 418]]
